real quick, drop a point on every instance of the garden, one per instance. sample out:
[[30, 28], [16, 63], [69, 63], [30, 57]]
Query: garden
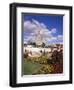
[[44, 64]]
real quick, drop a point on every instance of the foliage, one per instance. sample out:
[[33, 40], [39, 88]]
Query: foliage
[[43, 64], [45, 69]]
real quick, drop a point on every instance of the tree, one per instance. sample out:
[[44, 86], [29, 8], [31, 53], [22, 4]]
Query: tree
[[34, 44], [43, 45]]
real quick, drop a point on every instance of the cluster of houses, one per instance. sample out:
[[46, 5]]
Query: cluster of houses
[[37, 51]]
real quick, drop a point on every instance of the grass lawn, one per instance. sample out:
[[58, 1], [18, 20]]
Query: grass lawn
[[30, 67]]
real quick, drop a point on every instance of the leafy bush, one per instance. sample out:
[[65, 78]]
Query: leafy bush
[[45, 69]]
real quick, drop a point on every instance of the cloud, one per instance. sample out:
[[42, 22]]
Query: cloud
[[34, 27], [53, 30], [54, 38], [36, 22], [27, 39], [29, 27], [60, 37]]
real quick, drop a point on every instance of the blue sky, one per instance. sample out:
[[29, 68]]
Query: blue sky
[[52, 24]]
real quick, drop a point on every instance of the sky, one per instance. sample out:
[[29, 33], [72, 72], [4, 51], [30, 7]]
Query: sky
[[50, 27]]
